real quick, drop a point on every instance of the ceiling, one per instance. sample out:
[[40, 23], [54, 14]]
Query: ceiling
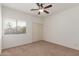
[[25, 7]]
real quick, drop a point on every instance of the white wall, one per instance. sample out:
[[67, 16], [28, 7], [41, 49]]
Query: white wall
[[0, 28], [63, 28], [18, 39]]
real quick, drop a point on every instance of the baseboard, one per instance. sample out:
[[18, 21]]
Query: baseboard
[[16, 45], [46, 41], [21, 44], [36, 41], [61, 45]]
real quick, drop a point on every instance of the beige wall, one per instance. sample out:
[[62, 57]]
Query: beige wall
[[37, 32], [63, 28], [19, 39]]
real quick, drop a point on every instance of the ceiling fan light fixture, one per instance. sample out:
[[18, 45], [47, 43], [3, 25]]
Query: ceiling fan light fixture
[[41, 10]]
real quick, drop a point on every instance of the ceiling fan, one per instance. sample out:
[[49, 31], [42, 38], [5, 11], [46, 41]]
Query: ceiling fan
[[41, 8]]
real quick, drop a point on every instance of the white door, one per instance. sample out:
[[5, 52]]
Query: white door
[[36, 32]]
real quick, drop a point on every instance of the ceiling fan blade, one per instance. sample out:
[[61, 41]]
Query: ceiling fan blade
[[38, 4], [41, 5], [46, 11], [38, 13], [34, 9], [48, 6]]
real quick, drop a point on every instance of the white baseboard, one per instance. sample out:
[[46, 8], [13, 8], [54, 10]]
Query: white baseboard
[[63, 45]]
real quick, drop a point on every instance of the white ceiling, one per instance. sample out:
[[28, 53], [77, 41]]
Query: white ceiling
[[25, 7]]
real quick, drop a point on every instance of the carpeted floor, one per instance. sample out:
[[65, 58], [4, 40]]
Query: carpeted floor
[[40, 48]]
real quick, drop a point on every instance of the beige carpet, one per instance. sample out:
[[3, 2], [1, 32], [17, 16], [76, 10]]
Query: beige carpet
[[40, 48]]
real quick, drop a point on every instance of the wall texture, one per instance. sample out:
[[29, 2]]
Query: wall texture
[[18, 39], [63, 28]]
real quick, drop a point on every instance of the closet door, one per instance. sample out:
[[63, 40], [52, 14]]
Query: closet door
[[36, 32]]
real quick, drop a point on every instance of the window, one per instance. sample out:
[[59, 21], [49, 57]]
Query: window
[[13, 26]]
